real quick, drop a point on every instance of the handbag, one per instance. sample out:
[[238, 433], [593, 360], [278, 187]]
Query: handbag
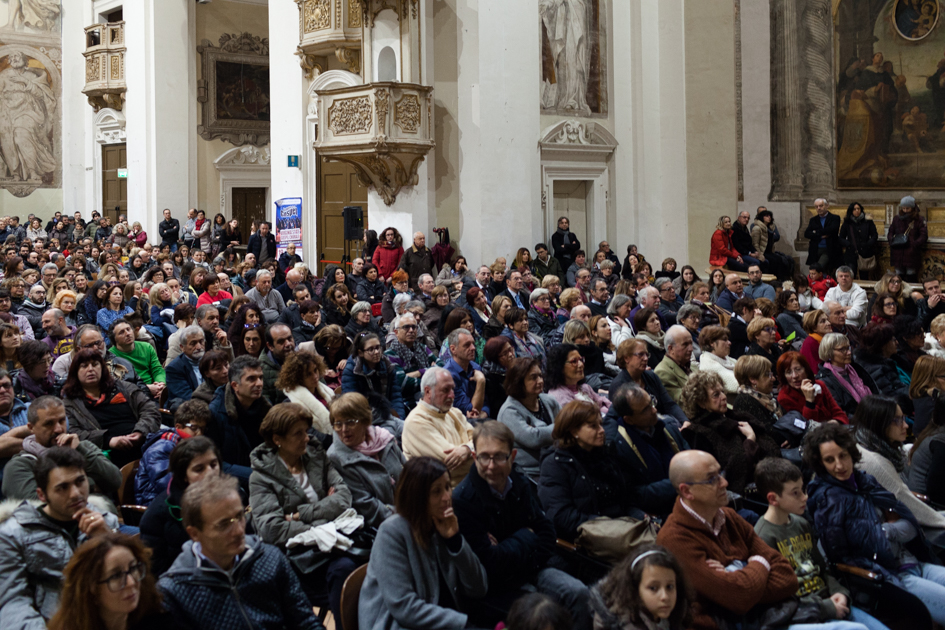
[[862, 264], [898, 241], [376, 309], [611, 539]]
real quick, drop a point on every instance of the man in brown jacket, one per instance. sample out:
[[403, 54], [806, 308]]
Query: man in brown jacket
[[731, 569]]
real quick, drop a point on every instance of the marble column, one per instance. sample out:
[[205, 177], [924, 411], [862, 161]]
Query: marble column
[[786, 126]]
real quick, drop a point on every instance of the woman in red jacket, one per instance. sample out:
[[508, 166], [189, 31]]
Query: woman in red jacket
[[388, 254], [723, 253], [800, 392]]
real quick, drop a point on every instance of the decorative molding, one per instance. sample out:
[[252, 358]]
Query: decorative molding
[[109, 125], [355, 14], [329, 80], [350, 116], [382, 105], [570, 139], [244, 156], [407, 113], [244, 43], [316, 15], [308, 63], [351, 57], [243, 167]]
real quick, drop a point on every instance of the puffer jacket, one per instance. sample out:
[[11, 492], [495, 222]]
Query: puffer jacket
[[153, 471], [380, 386], [369, 479], [274, 492], [541, 325], [162, 529], [84, 424], [372, 292], [850, 528], [387, 259], [261, 591], [236, 430], [885, 377], [33, 554], [34, 315]]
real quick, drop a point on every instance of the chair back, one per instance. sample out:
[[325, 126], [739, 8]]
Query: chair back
[[126, 492], [350, 594]]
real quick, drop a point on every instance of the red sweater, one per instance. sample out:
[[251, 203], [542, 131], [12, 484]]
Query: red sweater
[[721, 248], [824, 408], [821, 286], [387, 259], [738, 591]]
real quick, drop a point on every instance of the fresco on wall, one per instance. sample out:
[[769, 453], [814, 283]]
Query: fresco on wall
[[573, 73], [890, 95], [30, 95]]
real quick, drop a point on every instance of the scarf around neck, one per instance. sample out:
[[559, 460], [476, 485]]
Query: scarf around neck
[[376, 441], [767, 400], [880, 446], [850, 380], [414, 358]]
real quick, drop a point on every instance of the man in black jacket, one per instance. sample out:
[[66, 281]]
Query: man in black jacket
[[417, 260], [501, 519], [262, 244], [169, 229], [934, 303], [823, 231], [741, 240], [565, 244], [743, 313]]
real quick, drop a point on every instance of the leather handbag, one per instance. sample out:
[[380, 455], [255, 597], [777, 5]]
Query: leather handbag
[[611, 539], [898, 241], [862, 264]]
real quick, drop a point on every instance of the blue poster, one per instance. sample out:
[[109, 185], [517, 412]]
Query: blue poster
[[288, 225]]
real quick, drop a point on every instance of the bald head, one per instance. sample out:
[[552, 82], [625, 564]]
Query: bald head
[[293, 277], [582, 313], [689, 466]]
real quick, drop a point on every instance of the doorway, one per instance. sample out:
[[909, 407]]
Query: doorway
[[249, 204], [339, 186], [114, 188], [570, 197]]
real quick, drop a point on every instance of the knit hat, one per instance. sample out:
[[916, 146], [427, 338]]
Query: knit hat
[[907, 202]]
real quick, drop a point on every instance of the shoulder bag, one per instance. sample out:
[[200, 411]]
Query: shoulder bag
[[898, 241], [611, 539], [863, 264]]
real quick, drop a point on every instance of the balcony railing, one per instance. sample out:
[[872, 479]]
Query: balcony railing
[[105, 65]]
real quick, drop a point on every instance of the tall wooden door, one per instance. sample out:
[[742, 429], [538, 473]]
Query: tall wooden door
[[114, 189], [249, 204], [339, 187]]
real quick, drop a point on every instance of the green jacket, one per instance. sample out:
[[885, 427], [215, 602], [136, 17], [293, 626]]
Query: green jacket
[[144, 358], [550, 268], [19, 479]]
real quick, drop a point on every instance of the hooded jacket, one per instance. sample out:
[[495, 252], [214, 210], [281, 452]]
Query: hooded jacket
[[153, 472]]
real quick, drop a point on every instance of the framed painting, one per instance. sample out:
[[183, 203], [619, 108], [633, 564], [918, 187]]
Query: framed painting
[[234, 90], [915, 19]]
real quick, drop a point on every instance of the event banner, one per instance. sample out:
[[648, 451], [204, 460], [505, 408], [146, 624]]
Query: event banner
[[288, 225]]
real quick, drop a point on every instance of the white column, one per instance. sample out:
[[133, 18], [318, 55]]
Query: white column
[[159, 71], [76, 112], [289, 110]]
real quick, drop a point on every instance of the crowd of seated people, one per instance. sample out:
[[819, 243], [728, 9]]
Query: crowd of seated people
[[471, 435]]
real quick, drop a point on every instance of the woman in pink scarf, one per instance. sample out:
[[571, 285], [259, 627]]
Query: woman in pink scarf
[[846, 381]]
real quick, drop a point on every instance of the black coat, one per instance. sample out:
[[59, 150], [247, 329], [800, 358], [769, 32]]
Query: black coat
[[840, 393], [665, 405], [741, 239], [815, 232], [858, 237], [564, 252], [256, 244], [885, 377], [738, 335], [169, 232], [162, 530]]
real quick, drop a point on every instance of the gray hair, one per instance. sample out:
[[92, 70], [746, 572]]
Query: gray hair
[[575, 329], [395, 324], [241, 364], [400, 302], [424, 275], [42, 404], [431, 376], [825, 307], [648, 292], [412, 304], [675, 334], [204, 310], [828, 344], [360, 307], [49, 266], [617, 303], [845, 269], [688, 310], [190, 331], [453, 338], [818, 200], [659, 282], [263, 273], [537, 294]]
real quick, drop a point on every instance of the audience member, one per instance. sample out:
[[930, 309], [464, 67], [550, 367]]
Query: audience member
[[847, 382], [851, 297], [238, 409], [190, 419]]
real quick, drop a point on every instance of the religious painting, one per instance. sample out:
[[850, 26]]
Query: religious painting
[[573, 69], [32, 16], [915, 19], [234, 90], [890, 95]]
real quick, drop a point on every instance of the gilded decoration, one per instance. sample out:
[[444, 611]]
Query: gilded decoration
[[354, 14], [407, 113], [91, 69], [316, 15], [350, 116], [382, 104], [337, 13], [116, 67], [351, 57]]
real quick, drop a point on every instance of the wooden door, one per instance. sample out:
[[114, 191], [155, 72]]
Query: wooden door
[[114, 189], [339, 187], [571, 201], [249, 204]]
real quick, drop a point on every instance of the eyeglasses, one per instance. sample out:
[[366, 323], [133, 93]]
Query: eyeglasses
[[227, 523], [498, 458], [7, 385], [372, 349], [95, 344], [117, 581], [843, 349], [641, 355], [409, 327], [900, 419], [770, 329], [346, 424], [714, 480]]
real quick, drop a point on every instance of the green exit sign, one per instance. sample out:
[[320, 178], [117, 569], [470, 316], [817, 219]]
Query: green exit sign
[[123, 173]]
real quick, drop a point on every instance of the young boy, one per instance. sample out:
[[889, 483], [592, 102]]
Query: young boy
[[819, 282], [785, 529]]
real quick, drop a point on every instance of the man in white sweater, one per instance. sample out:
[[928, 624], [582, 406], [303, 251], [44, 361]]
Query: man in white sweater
[[851, 297]]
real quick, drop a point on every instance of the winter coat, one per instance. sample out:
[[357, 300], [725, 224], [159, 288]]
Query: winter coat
[[842, 397], [274, 493], [417, 262], [153, 472], [260, 591], [569, 495], [721, 248], [404, 581], [665, 405], [255, 245], [525, 537], [162, 529], [551, 268], [33, 554], [19, 476], [719, 436], [541, 325], [372, 292], [885, 377], [858, 237], [169, 232], [235, 430], [741, 239], [531, 434], [564, 244], [910, 256], [380, 386], [34, 315], [791, 323], [387, 259], [725, 368], [830, 229], [371, 481], [83, 423], [850, 528], [181, 379], [203, 234]]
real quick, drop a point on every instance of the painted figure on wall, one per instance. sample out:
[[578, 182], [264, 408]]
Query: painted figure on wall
[[914, 19], [35, 15], [572, 78], [27, 118]]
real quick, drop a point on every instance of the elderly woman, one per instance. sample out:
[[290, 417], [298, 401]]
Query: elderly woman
[[434, 309], [648, 326], [370, 373], [422, 572], [715, 359], [881, 430], [581, 478], [528, 412], [928, 378], [618, 312], [935, 339], [862, 524], [552, 284], [300, 380], [293, 488], [65, 301], [564, 378], [711, 315], [35, 379], [737, 442], [541, 316], [632, 358], [362, 322], [526, 343], [878, 345], [802, 393], [755, 384], [568, 299], [113, 415], [496, 324], [367, 457], [816, 325], [763, 333], [846, 381], [689, 316]]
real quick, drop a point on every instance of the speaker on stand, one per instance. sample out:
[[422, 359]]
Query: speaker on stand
[[353, 217]]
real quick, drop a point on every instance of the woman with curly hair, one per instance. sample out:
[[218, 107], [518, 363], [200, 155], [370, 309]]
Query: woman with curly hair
[[332, 344], [300, 380], [388, 253], [336, 309], [108, 584]]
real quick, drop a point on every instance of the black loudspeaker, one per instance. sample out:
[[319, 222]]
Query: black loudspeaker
[[354, 223]]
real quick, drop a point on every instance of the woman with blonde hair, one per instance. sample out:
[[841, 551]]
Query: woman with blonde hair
[[935, 339], [568, 299], [891, 283], [66, 301], [928, 376], [496, 323], [300, 380], [816, 325], [763, 335], [523, 258]]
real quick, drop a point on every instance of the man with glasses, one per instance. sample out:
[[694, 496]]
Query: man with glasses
[[224, 579], [670, 303], [600, 297], [756, 287], [734, 290], [37, 542], [89, 337], [500, 517], [13, 420], [645, 445], [731, 569], [410, 355]]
